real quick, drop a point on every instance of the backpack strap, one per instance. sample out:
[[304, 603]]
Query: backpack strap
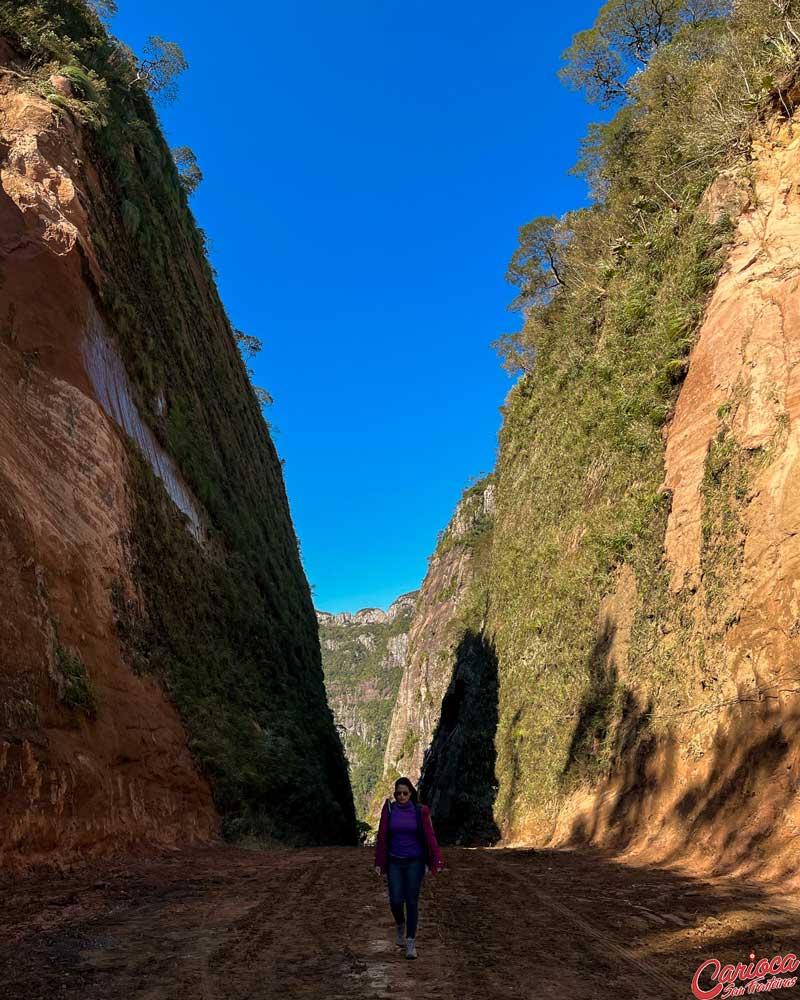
[[421, 836]]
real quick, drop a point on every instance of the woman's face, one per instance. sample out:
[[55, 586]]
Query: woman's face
[[402, 794]]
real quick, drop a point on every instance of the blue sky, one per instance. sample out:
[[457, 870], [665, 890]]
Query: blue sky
[[367, 166]]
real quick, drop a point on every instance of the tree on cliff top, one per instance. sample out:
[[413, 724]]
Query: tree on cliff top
[[250, 346], [160, 67], [191, 175], [537, 264], [623, 39], [105, 9]]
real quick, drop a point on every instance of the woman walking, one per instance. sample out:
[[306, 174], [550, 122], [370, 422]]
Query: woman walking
[[405, 847]]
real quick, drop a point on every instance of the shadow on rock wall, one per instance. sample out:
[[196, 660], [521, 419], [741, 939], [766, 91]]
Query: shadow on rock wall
[[610, 720], [739, 809], [612, 737], [458, 772], [732, 805]]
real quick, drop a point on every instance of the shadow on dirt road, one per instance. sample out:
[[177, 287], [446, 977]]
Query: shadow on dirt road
[[230, 924]]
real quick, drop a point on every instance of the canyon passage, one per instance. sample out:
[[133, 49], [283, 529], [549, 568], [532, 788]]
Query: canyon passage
[[596, 684]]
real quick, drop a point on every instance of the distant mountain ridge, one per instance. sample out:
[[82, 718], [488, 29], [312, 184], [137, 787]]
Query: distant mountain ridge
[[363, 657], [370, 616]]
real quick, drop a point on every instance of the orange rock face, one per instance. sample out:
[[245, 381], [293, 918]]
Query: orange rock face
[[745, 362], [73, 781], [721, 784]]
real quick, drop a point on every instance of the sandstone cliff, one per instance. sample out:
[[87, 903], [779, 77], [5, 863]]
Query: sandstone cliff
[[719, 776], [363, 656], [634, 668], [159, 666], [450, 603], [635, 665]]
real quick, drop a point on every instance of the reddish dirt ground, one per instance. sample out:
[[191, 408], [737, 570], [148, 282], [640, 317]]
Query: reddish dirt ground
[[257, 925]]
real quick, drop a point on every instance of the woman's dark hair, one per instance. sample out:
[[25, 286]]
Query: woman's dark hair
[[407, 783]]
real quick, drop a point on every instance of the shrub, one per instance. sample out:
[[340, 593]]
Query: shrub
[[78, 694]]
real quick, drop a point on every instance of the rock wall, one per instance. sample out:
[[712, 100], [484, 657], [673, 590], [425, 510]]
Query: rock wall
[[673, 730], [446, 605], [722, 780], [159, 662], [75, 777]]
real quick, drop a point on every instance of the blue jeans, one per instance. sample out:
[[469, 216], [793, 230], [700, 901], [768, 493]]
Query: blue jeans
[[405, 877]]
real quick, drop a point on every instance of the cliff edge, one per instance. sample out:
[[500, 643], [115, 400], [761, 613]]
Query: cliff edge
[[159, 663]]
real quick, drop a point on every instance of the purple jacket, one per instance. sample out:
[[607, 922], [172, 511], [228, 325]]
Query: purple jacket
[[434, 859]]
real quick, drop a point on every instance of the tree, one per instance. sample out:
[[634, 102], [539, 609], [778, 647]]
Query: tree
[[247, 344], [263, 397], [160, 67], [190, 174], [624, 38], [515, 353], [105, 9], [537, 265]]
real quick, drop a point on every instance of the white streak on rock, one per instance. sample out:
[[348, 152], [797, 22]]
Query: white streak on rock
[[111, 385]]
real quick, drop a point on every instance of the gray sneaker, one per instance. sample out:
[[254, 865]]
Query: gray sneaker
[[411, 951], [400, 935]]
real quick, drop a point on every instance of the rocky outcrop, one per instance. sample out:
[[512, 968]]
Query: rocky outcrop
[[363, 656], [733, 557], [436, 631], [741, 381], [404, 605], [157, 636]]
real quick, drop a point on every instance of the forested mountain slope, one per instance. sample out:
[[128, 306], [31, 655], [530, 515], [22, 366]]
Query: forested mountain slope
[[363, 657]]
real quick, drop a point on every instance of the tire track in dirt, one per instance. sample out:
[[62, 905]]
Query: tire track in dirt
[[609, 944], [562, 922], [251, 963], [314, 935], [230, 924], [253, 935], [628, 976], [497, 944], [191, 980]]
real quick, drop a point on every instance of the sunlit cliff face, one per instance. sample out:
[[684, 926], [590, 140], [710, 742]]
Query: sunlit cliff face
[[720, 776], [98, 754]]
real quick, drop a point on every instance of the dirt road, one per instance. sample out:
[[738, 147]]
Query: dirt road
[[228, 924]]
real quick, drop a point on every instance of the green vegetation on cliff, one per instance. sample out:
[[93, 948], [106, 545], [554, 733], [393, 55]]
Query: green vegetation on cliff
[[78, 694], [363, 664], [612, 297], [229, 627], [458, 777]]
